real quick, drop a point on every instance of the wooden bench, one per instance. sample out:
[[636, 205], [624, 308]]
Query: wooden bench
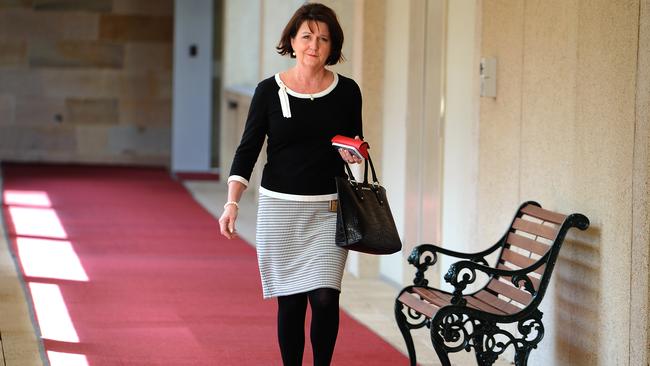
[[504, 311]]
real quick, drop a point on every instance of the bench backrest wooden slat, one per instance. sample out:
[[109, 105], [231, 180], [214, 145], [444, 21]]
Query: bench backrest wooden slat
[[519, 260], [536, 281], [511, 292], [535, 229], [544, 215], [528, 244]]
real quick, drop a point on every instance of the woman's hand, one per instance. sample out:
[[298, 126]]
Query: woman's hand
[[231, 208], [227, 221], [348, 156]]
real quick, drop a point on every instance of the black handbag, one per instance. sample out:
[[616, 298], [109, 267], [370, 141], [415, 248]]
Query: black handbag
[[364, 222]]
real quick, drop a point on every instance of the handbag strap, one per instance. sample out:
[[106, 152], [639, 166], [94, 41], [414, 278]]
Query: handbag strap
[[365, 172], [372, 168], [349, 171]]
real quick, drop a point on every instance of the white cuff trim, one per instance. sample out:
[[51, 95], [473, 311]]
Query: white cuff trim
[[238, 178]]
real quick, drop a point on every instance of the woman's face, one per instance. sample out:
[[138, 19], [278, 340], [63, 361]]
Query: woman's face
[[312, 44]]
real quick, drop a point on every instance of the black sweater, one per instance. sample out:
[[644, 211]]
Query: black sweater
[[300, 157]]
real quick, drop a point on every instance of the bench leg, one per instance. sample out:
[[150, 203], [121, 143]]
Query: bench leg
[[478, 349], [438, 345], [484, 357], [406, 332], [481, 360], [521, 356]]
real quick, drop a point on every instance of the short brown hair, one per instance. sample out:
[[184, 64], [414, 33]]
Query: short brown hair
[[317, 13]]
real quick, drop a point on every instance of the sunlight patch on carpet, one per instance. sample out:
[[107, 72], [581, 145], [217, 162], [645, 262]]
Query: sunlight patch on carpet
[[66, 359], [46, 258], [52, 313]]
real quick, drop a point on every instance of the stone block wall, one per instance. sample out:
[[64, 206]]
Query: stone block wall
[[86, 81]]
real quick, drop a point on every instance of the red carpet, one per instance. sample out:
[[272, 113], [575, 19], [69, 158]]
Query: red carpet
[[125, 268]]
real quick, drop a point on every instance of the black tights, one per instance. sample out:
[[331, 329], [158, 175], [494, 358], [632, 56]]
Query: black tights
[[324, 325]]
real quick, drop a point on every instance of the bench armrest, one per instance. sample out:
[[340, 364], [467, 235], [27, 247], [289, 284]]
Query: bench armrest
[[424, 256], [468, 270]]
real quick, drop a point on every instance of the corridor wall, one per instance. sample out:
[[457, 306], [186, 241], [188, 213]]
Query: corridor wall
[[569, 128]]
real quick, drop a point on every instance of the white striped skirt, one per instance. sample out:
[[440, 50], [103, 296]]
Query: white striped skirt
[[295, 247]]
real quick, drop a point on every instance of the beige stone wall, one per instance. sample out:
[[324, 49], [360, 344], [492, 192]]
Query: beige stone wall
[[640, 348], [562, 131], [86, 81]]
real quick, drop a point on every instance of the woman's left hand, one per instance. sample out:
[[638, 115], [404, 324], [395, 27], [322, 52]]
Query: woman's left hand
[[349, 157]]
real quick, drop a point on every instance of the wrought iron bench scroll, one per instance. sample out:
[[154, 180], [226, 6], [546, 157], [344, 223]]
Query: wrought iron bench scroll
[[515, 286]]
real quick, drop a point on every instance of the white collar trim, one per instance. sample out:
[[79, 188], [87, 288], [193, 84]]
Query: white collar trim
[[308, 96]]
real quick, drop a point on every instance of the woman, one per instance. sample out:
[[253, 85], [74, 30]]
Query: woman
[[299, 110]]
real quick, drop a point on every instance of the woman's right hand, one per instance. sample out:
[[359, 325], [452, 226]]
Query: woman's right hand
[[227, 221], [348, 157]]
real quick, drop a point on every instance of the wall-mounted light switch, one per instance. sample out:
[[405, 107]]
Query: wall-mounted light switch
[[488, 77]]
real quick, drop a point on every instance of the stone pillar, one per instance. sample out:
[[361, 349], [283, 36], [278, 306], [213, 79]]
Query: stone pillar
[[192, 90], [640, 296], [242, 30]]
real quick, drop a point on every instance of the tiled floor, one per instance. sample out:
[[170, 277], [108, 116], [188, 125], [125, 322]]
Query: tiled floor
[[367, 300]]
